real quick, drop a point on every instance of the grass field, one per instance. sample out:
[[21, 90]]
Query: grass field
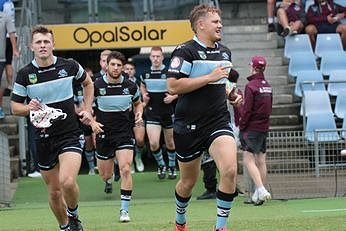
[[153, 209]]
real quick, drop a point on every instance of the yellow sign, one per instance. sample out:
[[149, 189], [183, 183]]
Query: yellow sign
[[121, 35]]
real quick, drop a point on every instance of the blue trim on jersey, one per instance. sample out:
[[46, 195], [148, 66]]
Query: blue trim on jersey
[[204, 67], [19, 90], [186, 68], [114, 103], [80, 72], [61, 87], [104, 77], [201, 43], [156, 85]]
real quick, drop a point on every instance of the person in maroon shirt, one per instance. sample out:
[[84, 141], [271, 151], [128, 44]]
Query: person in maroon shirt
[[291, 17], [324, 17], [254, 126]]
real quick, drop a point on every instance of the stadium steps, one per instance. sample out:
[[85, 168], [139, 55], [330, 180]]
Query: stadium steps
[[246, 41]]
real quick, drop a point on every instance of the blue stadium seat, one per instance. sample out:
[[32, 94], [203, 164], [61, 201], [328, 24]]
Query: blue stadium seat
[[334, 88], [332, 61], [299, 62], [315, 101], [340, 104], [302, 76], [343, 133], [299, 43], [328, 43], [321, 120], [340, 2]]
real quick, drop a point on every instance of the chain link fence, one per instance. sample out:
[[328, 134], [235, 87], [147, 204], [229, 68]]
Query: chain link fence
[[5, 173]]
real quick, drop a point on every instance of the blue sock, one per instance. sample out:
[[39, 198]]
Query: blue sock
[[138, 151], [181, 204], [158, 157], [89, 155], [224, 204], [125, 196], [171, 158], [72, 212]]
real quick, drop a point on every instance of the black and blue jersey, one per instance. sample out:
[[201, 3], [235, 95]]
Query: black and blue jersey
[[113, 104], [206, 106], [52, 85]]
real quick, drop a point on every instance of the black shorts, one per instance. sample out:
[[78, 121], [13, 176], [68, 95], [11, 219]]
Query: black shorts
[[326, 28], [254, 142], [165, 119], [191, 145], [87, 130], [49, 149], [9, 52], [107, 146]]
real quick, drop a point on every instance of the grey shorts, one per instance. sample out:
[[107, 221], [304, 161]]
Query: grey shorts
[[254, 142]]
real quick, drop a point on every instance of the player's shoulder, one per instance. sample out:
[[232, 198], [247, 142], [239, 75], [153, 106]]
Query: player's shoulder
[[27, 69]]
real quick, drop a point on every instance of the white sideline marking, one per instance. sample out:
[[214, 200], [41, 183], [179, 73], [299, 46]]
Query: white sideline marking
[[323, 210]]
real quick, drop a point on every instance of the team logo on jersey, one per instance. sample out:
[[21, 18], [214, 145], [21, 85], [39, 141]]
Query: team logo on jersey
[[80, 93], [225, 56], [175, 63], [126, 91], [202, 54], [102, 91], [147, 75], [163, 76], [62, 73], [32, 78]]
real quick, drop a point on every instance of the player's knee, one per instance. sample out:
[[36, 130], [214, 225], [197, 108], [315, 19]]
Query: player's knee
[[125, 171], [55, 195], [229, 172], [68, 183]]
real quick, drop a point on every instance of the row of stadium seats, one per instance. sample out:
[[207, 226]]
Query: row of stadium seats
[[301, 56]]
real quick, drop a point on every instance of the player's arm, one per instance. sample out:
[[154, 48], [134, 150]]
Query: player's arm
[[145, 94], [21, 109], [138, 111], [186, 85], [88, 96]]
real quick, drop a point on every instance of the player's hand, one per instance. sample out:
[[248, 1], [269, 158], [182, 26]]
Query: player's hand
[[238, 100], [168, 99], [146, 98], [138, 119], [331, 19], [96, 126], [35, 105], [218, 73], [85, 117]]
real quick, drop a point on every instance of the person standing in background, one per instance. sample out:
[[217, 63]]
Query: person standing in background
[[254, 126]]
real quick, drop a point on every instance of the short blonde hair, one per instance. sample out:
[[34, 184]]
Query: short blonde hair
[[201, 11], [105, 53]]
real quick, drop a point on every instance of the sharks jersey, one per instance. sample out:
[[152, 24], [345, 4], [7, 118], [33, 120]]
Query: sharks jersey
[[51, 85], [206, 106], [113, 104]]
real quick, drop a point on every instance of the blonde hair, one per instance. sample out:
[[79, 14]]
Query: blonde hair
[[201, 11]]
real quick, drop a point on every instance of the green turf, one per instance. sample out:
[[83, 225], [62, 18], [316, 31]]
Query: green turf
[[152, 209]]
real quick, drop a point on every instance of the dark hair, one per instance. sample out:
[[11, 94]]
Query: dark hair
[[116, 55], [131, 63], [201, 11], [233, 76], [42, 30]]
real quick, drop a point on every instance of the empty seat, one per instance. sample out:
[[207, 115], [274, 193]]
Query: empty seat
[[321, 120], [340, 2], [297, 44], [340, 105], [328, 43], [333, 61], [299, 62], [315, 101], [334, 88], [343, 133], [302, 76]]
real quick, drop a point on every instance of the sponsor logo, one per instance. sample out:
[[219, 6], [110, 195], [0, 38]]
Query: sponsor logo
[[62, 73], [175, 63]]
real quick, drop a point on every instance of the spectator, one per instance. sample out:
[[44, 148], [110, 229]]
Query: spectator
[[324, 17], [103, 64], [6, 26], [270, 15], [254, 126], [8, 9], [291, 18]]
